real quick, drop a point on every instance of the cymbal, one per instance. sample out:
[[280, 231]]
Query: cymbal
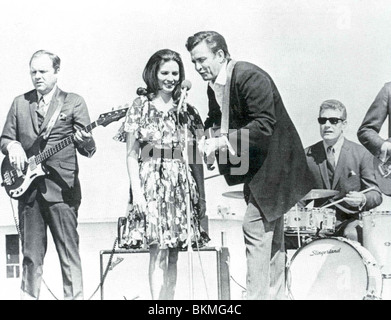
[[234, 194], [319, 194]]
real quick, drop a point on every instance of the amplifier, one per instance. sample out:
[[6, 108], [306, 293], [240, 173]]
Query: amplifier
[[124, 274]]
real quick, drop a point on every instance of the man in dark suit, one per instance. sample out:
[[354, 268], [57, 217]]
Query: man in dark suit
[[261, 133], [368, 133], [52, 200], [339, 164]]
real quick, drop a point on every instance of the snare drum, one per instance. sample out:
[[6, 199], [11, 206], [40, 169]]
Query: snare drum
[[299, 219], [377, 238], [333, 268], [310, 220]]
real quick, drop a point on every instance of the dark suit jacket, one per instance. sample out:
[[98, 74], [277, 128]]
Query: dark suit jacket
[[380, 109], [62, 184], [278, 175], [354, 172]]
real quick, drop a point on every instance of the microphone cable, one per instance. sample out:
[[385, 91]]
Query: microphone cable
[[100, 285], [199, 258]]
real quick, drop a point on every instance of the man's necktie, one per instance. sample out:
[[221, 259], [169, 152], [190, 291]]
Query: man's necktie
[[41, 111], [330, 162]]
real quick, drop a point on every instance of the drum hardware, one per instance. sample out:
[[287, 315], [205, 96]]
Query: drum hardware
[[317, 234]]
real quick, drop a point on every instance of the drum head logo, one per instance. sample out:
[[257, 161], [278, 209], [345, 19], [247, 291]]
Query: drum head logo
[[321, 253]]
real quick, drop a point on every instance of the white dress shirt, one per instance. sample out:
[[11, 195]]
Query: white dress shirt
[[47, 98], [218, 85]]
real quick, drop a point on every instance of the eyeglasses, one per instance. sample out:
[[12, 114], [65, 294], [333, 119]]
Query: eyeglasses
[[332, 120]]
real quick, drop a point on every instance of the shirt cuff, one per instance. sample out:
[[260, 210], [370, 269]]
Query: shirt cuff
[[11, 144]]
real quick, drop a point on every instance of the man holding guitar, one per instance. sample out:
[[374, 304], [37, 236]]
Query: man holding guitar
[[369, 136], [37, 121], [255, 126]]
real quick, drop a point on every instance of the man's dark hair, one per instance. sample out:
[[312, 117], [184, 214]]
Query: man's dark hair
[[55, 58], [214, 41]]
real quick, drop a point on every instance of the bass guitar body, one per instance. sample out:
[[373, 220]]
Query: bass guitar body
[[16, 182]]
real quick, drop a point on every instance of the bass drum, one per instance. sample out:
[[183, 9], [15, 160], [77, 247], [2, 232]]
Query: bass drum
[[377, 238], [333, 268]]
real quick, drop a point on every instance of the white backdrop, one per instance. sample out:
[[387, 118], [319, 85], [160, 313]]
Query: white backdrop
[[314, 51]]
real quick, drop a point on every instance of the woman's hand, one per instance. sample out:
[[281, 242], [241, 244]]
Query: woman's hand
[[202, 208], [140, 203]]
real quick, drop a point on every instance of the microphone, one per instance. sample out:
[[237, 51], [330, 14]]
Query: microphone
[[141, 91], [185, 86]]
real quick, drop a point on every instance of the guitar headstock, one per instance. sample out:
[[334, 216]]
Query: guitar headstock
[[114, 115]]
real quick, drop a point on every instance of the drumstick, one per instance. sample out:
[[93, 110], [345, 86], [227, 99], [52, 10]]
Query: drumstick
[[340, 200]]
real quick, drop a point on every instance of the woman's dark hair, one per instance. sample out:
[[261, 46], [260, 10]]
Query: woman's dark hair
[[152, 67]]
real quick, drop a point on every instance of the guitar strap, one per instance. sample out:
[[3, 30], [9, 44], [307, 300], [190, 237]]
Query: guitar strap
[[225, 169], [53, 119], [225, 107]]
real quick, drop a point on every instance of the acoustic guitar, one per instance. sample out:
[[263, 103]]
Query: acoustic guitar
[[226, 159]]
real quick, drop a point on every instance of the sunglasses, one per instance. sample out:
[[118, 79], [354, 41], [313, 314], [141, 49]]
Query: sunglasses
[[332, 120]]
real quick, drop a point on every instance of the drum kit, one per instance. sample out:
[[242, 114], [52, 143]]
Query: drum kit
[[327, 267]]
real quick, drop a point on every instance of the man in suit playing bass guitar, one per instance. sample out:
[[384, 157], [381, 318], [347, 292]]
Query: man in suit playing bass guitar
[[48, 115]]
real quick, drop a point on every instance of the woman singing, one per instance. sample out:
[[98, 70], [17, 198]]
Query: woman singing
[[163, 187]]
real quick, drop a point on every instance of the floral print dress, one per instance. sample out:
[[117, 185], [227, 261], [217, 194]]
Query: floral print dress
[[164, 178]]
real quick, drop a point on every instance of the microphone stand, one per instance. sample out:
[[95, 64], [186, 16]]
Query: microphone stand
[[188, 207]]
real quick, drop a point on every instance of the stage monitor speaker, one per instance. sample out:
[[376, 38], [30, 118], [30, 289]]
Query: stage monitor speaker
[[127, 275]]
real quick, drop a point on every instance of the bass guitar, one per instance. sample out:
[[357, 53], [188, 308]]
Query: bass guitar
[[16, 182]]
